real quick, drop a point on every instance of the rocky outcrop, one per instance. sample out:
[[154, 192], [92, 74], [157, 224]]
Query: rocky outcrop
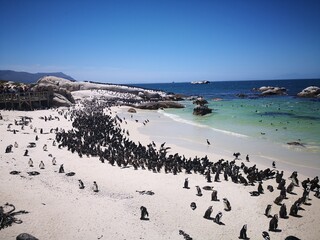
[[158, 105], [202, 110], [26, 236], [59, 100], [310, 92], [272, 91]]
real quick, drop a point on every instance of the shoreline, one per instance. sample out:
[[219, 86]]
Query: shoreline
[[59, 209]]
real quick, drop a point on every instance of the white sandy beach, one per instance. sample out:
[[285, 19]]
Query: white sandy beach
[[58, 209]]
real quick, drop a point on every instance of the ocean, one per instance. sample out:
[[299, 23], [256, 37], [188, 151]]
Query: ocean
[[276, 119]]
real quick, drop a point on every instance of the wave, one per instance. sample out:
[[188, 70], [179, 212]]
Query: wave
[[189, 122]]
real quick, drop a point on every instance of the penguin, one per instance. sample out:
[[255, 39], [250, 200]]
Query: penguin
[[199, 193], [95, 187], [37, 138], [193, 205], [243, 232], [26, 152], [144, 213], [214, 196], [274, 164], [227, 206], [218, 217], [265, 235], [247, 158], [54, 162], [207, 214], [294, 209], [30, 162], [81, 185], [208, 142], [186, 183], [61, 169], [45, 147], [273, 224], [278, 200], [260, 188], [283, 211], [41, 165], [290, 188], [16, 145], [268, 210]]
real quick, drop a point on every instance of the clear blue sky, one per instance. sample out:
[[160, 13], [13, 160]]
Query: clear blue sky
[[130, 41]]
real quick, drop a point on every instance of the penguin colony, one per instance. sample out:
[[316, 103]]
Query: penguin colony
[[95, 133]]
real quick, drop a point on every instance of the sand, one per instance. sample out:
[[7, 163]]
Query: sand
[[58, 209]]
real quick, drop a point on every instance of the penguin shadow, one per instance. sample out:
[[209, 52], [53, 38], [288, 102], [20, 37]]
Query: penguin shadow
[[296, 215], [292, 193], [145, 219], [199, 194], [186, 187], [308, 204], [276, 230], [286, 217]]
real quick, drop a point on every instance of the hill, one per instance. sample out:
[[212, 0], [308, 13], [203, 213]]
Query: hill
[[25, 77]]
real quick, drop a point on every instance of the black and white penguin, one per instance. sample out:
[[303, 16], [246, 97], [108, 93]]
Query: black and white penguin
[[16, 145], [260, 188], [207, 214], [214, 195], [186, 183], [199, 193], [273, 224], [278, 200], [95, 187], [265, 236], [54, 161], [30, 162], [218, 217], [283, 211], [243, 232], [26, 152], [268, 210], [290, 188], [45, 147], [41, 165], [193, 205], [61, 169], [294, 209], [144, 213], [81, 185], [227, 205]]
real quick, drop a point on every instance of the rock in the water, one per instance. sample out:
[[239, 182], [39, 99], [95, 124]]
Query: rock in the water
[[200, 101], [310, 92], [271, 91], [202, 110], [26, 236]]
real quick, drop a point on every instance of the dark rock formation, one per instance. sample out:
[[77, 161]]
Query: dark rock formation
[[160, 104], [202, 110], [26, 236]]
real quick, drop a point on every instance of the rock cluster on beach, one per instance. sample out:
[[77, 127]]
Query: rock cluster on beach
[[201, 108]]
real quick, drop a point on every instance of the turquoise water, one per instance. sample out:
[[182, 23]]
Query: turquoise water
[[279, 120]]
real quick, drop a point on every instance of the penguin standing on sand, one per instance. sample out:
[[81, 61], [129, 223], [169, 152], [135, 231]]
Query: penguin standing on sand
[[41, 165], [45, 147], [30, 162], [81, 185], [268, 210], [144, 213], [199, 193], [186, 183], [273, 224], [243, 232], [26, 152], [218, 217], [207, 214], [260, 188], [265, 236], [54, 162], [95, 187], [61, 169], [16, 145], [283, 211], [214, 196], [227, 205]]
